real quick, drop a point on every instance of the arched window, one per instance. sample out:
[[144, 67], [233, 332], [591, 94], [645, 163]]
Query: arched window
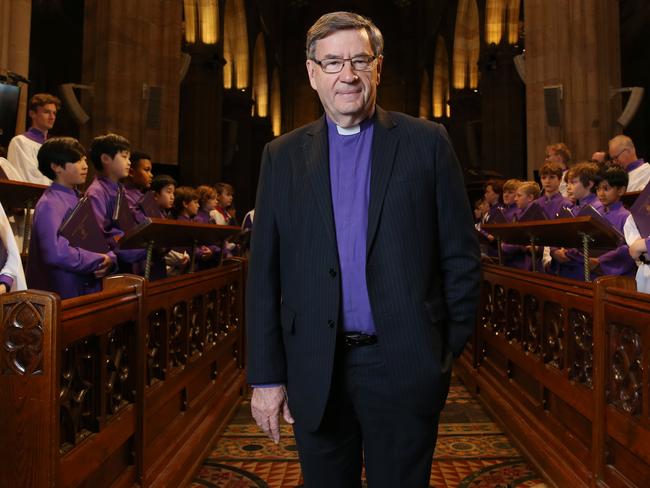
[[189, 12], [495, 13], [513, 21], [441, 80], [276, 106], [260, 78], [209, 21], [425, 96], [466, 45], [235, 46]]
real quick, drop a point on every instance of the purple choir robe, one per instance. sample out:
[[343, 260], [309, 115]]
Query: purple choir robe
[[133, 196], [574, 269], [102, 193], [515, 255], [54, 265], [510, 211], [552, 205], [617, 261]]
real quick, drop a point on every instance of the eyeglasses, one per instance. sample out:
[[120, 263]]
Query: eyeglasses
[[335, 65], [614, 158]]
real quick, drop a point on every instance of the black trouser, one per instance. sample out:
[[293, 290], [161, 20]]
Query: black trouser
[[362, 421]]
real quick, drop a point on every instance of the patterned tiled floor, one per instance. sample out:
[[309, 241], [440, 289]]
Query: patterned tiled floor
[[472, 452]]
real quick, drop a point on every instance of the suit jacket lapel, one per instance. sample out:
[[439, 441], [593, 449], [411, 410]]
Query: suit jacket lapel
[[384, 147], [317, 160]]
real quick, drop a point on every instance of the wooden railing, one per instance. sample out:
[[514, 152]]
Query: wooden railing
[[563, 365], [127, 387]]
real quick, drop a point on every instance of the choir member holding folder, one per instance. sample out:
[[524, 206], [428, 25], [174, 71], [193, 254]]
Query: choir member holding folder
[[67, 254]]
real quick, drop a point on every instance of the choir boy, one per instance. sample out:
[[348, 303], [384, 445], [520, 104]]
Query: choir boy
[[225, 196], [509, 207], [552, 200], [110, 157], [138, 182], [517, 256], [55, 265], [163, 187], [207, 203], [186, 208], [613, 184], [583, 178], [493, 192]]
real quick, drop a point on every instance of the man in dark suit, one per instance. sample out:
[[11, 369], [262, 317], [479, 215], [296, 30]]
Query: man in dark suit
[[364, 275]]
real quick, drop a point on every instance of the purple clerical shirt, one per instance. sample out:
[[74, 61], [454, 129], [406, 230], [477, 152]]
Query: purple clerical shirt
[[350, 164], [133, 197], [552, 205], [55, 265], [617, 261]]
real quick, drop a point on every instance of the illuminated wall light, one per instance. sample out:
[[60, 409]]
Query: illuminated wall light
[[473, 44], [209, 21], [495, 12], [236, 44], [276, 106], [425, 96], [513, 21], [260, 77], [440, 90], [189, 11]]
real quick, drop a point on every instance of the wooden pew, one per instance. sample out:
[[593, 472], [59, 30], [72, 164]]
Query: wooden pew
[[563, 367], [127, 387]]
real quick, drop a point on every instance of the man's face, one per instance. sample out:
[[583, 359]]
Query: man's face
[[621, 156], [141, 175], [550, 183], [72, 174], [577, 190], [43, 117], [117, 167], [608, 194], [348, 97]]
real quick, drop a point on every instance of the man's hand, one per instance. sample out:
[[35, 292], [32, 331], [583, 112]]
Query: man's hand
[[266, 405], [637, 248]]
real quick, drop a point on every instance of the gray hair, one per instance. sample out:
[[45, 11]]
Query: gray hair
[[336, 21]]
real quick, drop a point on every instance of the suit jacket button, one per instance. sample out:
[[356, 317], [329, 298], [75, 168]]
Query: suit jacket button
[[330, 323], [332, 272]]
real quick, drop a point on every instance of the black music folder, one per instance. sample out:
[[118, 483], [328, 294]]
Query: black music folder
[[81, 229]]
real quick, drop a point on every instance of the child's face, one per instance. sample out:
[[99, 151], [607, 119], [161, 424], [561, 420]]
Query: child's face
[[608, 194], [165, 199], [509, 197], [117, 167], [141, 176], [550, 183], [523, 199], [191, 207], [225, 199], [491, 197], [72, 174], [577, 190], [210, 204]]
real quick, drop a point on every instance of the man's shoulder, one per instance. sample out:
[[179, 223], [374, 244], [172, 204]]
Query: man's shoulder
[[296, 136], [402, 119]]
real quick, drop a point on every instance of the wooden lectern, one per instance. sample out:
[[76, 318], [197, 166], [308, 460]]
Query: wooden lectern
[[584, 233], [163, 233], [17, 194]]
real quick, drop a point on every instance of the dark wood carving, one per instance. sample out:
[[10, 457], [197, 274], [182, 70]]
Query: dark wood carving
[[626, 369], [514, 318], [80, 405], [120, 368], [22, 339], [178, 336], [211, 319], [581, 355], [155, 342], [532, 330], [196, 326], [499, 316], [486, 314], [553, 335]]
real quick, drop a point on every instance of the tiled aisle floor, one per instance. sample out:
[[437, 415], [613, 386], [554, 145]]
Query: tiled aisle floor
[[472, 451]]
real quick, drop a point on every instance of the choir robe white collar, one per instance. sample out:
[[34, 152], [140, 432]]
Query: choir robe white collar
[[13, 266]]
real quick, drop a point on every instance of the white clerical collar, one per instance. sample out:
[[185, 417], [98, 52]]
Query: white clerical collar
[[348, 131]]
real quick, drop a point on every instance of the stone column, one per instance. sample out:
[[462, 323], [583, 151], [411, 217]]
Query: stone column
[[132, 58], [574, 44], [15, 24]]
